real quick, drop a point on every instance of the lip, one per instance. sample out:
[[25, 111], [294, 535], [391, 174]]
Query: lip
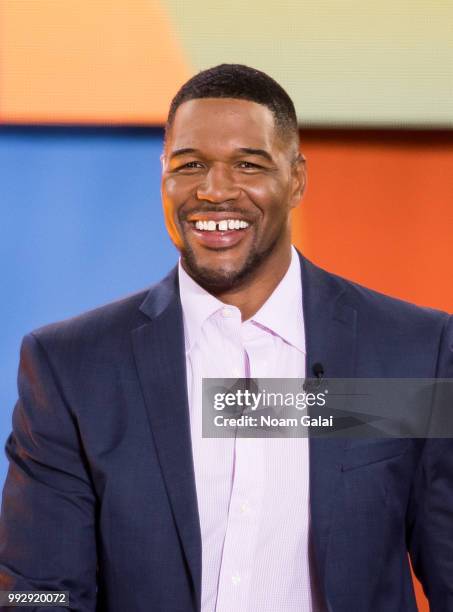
[[216, 239]]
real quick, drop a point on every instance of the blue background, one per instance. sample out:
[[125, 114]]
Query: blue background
[[81, 225]]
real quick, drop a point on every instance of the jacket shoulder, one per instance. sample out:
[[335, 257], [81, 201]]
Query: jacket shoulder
[[393, 335], [378, 303], [106, 330], [123, 313]]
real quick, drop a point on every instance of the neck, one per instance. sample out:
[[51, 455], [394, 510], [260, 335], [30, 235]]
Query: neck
[[255, 292]]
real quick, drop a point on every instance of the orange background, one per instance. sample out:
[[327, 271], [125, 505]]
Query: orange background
[[379, 209], [74, 61]]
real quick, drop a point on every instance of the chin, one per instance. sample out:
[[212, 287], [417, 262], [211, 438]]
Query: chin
[[225, 275], [214, 279]]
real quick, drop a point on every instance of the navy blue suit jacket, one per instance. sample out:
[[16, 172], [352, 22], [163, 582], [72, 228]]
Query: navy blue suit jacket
[[100, 495]]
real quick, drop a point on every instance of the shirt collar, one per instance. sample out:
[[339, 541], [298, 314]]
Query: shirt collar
[[197, 305], [281, 314]]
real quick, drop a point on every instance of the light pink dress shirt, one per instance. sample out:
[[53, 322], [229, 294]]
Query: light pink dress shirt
[[253, 494]]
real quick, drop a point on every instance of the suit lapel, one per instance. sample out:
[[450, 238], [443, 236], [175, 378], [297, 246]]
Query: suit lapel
[[330, 331], [160, 359]]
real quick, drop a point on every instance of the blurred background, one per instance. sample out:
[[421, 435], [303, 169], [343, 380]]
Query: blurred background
[[84, 91]]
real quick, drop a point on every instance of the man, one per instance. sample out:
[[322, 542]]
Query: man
[[112, 493]]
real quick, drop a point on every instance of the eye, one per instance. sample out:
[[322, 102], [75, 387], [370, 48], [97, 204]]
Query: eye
[[188, 167], [192, 164], [246, 165]]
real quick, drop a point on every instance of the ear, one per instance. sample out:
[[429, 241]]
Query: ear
[[299, 179], [163, 161]]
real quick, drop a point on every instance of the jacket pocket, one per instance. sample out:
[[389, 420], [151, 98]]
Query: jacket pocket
[[359, 453]]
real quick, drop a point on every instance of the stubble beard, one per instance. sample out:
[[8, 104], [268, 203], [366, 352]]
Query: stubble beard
[[218, 281]]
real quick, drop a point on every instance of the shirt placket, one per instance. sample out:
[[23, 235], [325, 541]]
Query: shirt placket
[[245, 506]]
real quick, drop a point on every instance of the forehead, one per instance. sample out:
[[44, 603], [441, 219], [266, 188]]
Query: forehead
[[226, 122]]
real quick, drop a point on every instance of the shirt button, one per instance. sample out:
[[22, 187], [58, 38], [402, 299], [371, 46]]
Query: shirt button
[[245, 507], [236, 579], [227, 313], [237, 372]]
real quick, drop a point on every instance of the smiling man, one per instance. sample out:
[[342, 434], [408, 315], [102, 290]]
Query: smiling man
[[114, 495]]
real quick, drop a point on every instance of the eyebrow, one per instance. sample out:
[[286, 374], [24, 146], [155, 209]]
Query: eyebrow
[[246, 150], [180, 152], [259, 152]]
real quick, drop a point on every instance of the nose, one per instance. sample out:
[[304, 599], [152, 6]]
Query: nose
[[218, 186]]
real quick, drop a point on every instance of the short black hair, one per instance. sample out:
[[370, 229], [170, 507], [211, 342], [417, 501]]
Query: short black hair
[[240, 82]]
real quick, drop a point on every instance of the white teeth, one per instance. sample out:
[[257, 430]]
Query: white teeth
[[222, 226]]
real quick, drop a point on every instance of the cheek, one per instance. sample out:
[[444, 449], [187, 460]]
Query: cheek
[[169, 199], [169, 193], [265, 186], [269, 196], [176, 192]]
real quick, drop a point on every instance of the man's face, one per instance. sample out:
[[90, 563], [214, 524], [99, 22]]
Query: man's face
[[229, 182]]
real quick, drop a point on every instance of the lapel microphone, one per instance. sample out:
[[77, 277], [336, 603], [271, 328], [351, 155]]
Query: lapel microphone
[[318, 371]]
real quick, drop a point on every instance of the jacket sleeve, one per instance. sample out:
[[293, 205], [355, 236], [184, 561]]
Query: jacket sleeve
[[47, 523], [430, 534]]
